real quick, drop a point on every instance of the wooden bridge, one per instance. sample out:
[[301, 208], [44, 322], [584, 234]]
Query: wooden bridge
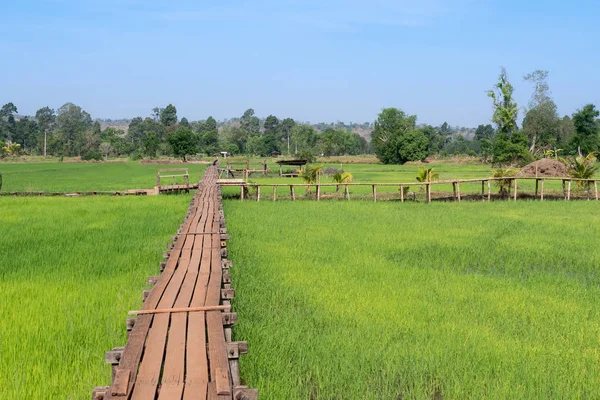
[[179, 346]]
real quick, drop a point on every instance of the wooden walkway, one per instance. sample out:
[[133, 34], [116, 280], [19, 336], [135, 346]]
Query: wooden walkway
[[173, 352]]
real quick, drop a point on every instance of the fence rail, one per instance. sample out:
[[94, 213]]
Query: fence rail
[[512, 184]]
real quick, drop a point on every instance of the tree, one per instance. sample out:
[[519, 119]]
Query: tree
[[484, 132], [395, 138], [435, 139], [210, 136], [505, 108], [46, 118], [7, 129], [156, 111], [511, 149], [565, 132], [72, 122], [541, 120], [287, 126], [249, 123], [183, 141], [586, 129], [7, 110], [446, 133], [151, 144], [168, 116], [304, 138], [185, 123], [105, 148]]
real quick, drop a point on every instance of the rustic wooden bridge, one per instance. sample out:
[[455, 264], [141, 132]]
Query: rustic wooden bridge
[[180, 345]]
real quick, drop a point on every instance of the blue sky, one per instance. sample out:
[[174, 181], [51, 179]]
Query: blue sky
[[310, 60]]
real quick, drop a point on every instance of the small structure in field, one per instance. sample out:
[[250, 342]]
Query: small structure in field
[[296, 163], [544, 168]]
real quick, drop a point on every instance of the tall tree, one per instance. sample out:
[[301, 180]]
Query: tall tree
[[586, 129], [395, 138], [46, 118], [7, 121], [185, 123], [210, 136], [541, 120], [72, 122], [287, 126], [249, 123], [506, 110], [183, 141], [168, 116], [484, 132]]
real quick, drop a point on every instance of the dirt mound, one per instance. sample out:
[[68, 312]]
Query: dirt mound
[[544, 167]]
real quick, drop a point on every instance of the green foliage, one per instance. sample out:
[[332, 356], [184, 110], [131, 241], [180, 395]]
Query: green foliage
[[506, 110], [183, 142], [511, 149], [71, 124], [311, 173], [504, 184], [586, 138], [343, 177], [11, 148], [151, 144], [91, 155], [395, 138], [168, 116], [427, 175], [581, 167]]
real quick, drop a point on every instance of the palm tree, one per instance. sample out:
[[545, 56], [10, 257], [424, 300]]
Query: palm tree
[[427, 175], [12, 149], [581, 167], [504, 184], [311, 175], [342, 178]]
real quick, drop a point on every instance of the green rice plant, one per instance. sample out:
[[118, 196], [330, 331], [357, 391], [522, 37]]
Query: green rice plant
[[501, 301], [70, 270]]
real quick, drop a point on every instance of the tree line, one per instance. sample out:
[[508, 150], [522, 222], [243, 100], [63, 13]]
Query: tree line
[[396, 138], [70, 131]]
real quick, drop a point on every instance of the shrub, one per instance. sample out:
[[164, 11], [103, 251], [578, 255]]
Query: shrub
[[92, 155]]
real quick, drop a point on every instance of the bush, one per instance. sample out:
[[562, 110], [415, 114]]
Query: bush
[[92, 155], [136, 156]]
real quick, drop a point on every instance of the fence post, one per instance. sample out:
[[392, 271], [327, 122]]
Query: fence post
[[258, 193], [569, 191], [596, 189], [515, 193], [241, 192], [489, 190], [274, 192], [542, 191], [537, 182], [318, 192], [375, 193], [292, 192], [458, 191], [347, 193], [429, 192], [402, 193]]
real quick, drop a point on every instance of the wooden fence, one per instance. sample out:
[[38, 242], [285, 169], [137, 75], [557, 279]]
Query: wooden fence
[[512, 184]]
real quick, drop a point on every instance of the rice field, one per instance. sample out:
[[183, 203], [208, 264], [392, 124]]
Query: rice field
[[349, 300], [64, 177], [70, 270]]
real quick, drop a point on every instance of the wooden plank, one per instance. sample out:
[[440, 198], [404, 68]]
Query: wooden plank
[[121, 382], [222, 381], [216, 347]]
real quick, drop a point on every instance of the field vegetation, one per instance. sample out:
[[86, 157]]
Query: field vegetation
[[453, 301], [64, 177], [71, 269]]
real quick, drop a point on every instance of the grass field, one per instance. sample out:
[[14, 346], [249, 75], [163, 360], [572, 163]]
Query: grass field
[[70, 270], [353, 300], [61, 177]]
